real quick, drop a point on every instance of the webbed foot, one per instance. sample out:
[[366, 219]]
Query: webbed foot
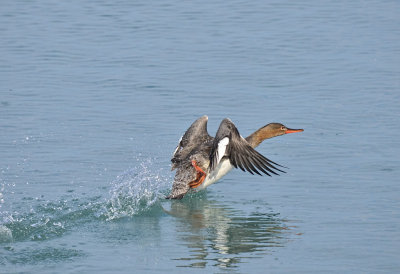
[[200, 176]]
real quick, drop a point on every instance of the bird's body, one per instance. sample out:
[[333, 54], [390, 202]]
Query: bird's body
[[220, 171], [202, 160]]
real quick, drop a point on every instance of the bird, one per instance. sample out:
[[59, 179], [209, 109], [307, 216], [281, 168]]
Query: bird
[[202, 160]]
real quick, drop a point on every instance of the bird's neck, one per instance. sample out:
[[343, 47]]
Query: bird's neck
[[259, 136]]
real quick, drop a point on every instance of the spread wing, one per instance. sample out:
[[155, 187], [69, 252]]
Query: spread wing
[[228, 143], [192, 138]]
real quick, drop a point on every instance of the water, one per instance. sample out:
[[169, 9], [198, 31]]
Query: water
[[95, 95]]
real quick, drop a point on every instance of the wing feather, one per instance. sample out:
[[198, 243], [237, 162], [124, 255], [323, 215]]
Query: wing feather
[[250, 159], [222, 145], [240, 153], [194, 136]]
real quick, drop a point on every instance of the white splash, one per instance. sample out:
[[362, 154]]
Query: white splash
[[1, 194], [5, 234], [137, 190]]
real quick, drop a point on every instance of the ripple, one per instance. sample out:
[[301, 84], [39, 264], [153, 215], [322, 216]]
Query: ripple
[[32, 256]]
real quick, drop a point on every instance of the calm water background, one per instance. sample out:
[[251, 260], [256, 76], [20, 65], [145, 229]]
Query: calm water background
[[94, 96]]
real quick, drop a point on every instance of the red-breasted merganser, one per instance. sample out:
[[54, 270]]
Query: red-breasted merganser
[[201, 160]]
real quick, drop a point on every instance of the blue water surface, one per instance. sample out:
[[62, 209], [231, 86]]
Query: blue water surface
[[94, 96]]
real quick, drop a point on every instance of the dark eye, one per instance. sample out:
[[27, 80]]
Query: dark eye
[[283, 128]]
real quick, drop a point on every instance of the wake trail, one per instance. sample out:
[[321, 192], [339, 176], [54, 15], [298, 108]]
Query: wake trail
[[136, 191]]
